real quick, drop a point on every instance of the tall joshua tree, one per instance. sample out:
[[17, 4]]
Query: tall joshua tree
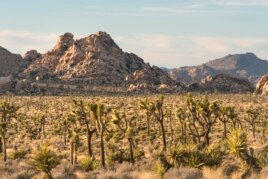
[[203, 115], [74, 136], [100, 113], [126, 127], [7, 113], [156, 109], [82, 113]]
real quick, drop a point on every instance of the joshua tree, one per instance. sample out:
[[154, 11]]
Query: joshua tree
[[252, 118], [156, 109], [7, 113], [126, 127], [100, 113], [228, 114], [83, 114], [203, 116], [182, 116], [29, 126], [74, 133]]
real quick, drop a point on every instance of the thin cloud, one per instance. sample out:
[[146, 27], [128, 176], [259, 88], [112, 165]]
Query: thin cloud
[[176, 51], [22, 41], [240, 2]]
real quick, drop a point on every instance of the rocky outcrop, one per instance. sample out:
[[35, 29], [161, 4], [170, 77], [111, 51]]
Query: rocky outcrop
[[6, 83], [31, 56], [262, 86], [226, 83], [246, 66], [9, 63], [95, 59]]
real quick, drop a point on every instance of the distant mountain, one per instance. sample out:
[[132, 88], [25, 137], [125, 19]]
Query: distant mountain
[[95, 59], [246, 66]]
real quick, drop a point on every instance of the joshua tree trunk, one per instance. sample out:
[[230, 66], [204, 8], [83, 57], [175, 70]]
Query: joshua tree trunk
[[89, 138], [75, 153], [163, 135], [65, 135], [102, 146], [148, 126], [207, 135], [72, 153], [5, 149], [1, 145], [254, 129], [225, 129], [131, 150], [171, 129]]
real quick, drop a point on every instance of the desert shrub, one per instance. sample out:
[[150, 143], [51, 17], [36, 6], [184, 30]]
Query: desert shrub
[[18, 154], [160, 169], [162, 165], [262, 157], [88, 164], [187, 155], [44, 160], [214, 156]]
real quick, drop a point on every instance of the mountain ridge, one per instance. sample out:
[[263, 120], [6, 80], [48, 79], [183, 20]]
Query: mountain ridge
[[245, 66]]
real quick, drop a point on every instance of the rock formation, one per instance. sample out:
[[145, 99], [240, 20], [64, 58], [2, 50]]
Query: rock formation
[[31, 56], [95, 59], [6, 84], [9, 63], [225, 83], [262, 86]]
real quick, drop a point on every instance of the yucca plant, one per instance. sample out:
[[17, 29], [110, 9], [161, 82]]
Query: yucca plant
[[44, 160], [237, 142], [160, 169], [162, 165], [18, 154], [214, 156], [88, 164]]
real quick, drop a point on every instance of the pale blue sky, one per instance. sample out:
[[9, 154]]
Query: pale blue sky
[[169, 33]]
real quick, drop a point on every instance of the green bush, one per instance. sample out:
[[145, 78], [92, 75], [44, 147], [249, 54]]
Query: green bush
[[18, 154], [44, 160], [88, 164]]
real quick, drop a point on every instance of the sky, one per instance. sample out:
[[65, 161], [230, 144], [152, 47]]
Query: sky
[[166, 33]]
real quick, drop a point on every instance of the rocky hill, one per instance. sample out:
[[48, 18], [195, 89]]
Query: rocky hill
[[9, 63], [246, 66], [95, 59], [226, 83]]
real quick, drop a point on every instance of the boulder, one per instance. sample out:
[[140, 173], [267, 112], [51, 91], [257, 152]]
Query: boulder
[[64, 42], [262, 86], [31, 56], [6, 84]]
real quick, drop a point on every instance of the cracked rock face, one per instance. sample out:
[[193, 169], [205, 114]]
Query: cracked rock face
[[262, 86], [95, 59]]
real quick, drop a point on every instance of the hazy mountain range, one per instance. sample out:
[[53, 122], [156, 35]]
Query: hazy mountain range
[[246, 66]]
